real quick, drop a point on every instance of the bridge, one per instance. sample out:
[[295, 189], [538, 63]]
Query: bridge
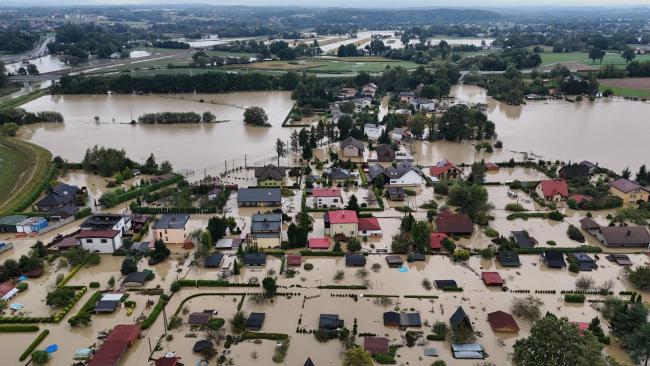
[[34, 78]]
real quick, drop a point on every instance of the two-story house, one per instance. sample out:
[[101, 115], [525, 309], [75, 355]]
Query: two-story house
[[171, 228], [629, 191]]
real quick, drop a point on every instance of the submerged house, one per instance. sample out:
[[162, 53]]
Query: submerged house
[[395, 319], [330, 322], [554, 259], [624, 236], [171, 228], [270, 176], [352, 148], [501, 321], [355, 260], [523, 239], [266, 230], [327, 197], [376, 345], [59, 196], [553, 189], [492, 279], [460, 318], [341, 224], [469, 351], [630, 192], [454, 223], [445, 170], [508, 258], [585, 262], [404, 174], [369, 227], [259, 197]]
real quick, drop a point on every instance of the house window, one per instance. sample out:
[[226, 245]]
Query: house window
[[336, 200], [103, 241], [89, 241], [166, 239], [351, 232]]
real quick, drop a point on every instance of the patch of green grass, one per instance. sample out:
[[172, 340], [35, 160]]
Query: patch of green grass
[[625, 92], [554, 58], [338, 66], [617, 60]]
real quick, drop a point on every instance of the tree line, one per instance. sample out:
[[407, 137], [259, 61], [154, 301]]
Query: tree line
[[176, 117], [15, 40]]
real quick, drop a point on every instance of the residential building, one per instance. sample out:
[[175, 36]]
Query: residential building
[[436, 239], [492, 279], [454, 223], [629, 191], [259, 197], [373, 131], [369, 90], [554, 259], [100, 241], [318, 243], [341, 224], [255, 259], [107, 222], [508, 258], [593, 168], [573, 171], [339, 175], [404, 174], [329, 322], [266, 230], [60, 196], [270, 176], [396, 193], [399, 134], [362, 103], [352, 148], [445, 170], [587, 223], [369, 226], [624, 236], [384, 153], [327, 197], [553, 189], [501, 321], [406, 96], [376, 345], [171, 228], [424, 104], [523, 239]]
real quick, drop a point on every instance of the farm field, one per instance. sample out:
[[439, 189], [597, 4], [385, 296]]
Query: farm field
[[549, 58], [628, 87]]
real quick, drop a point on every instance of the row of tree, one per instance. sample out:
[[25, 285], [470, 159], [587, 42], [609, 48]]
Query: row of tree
[[176, 117]]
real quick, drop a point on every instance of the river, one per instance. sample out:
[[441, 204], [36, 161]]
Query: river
[[558, 130]]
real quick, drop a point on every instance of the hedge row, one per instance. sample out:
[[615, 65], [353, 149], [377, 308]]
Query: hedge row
[[88, 306], [270, 336], [213, 283], [172, 210], [452, 289], [18, 328], [312, 253], [579, 249], [148, 322], [180, 306], [131, 194], [574, 298], [69, 276], [420, 296], [342, 287], [33, 345], [84, 212]]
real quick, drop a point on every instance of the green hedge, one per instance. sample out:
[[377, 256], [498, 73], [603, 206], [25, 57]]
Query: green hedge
[[180, 306], [574, 298], [172, 210], [18, 328], [88, 306], [312, 253], [270, 336], [131, 194], [452, 289], [579, 249], [213, 283], [420, 296], [148, 322], [33, 345], [84, 212]]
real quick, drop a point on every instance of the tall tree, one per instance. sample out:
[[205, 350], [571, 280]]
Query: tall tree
[[628, 54], [280, 149], [638, 345]]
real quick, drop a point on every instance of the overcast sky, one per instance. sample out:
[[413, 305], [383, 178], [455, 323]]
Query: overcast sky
[[346, 3]]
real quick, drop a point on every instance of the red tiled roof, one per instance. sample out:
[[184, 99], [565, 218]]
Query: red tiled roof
[[435, 240], [293, 260], [441, 167], [318, 243], [453, 223], [326, 192], [167, 361], [6, 287], [501, 321], [492, 279], [492, 166], [107, 234], [553, 187], [580, 197], [343, 217], [115, 345], [368, 224], [375, 344]]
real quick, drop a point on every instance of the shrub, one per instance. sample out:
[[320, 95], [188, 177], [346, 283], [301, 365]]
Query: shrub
[[490, 232], [555, 216], [94, 285], [515, 207], [18, 328], [574, 298], [22, 286], [574, 267], [575, 234], [40, 357], [639, 277], [308, 266], [461, 254]]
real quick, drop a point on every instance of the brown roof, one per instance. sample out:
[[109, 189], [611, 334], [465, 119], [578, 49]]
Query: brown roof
[[198, 318], [454, 223], [293, 259], [269, 172], [375, 344], [625, 185], [115, 345], [501, 321], [167, 361], [625, 235], [588, 223]]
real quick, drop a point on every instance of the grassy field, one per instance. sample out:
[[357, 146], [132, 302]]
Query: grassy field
[[26, 170], [17, 102], [625, 92], [549, 58]]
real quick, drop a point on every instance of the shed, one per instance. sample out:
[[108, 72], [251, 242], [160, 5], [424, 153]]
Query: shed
[[442, 284], [589, 224], [501, 321], [198, 318], [523, 239], [554, 259], [410, 320], [8, 223], [435, 240], [585, 262], [355, 260], [318, 243], [396, 193], [115, 345], [213, 260], [492, 279], [472, 351], [430, 352], [394, 260], [508, 258], [459, 317], [255, 321], [392, 319], [375, 345], [620, 259], [106, 306], [293, 260], [255, 259], [168, 361], [135, 279], [330, 322], [200, 346]]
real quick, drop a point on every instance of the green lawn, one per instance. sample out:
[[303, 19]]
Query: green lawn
[[582, 57], [336, 66], [25, 169], [625, 92]]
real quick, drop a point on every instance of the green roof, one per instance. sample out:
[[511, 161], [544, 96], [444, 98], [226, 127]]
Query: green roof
[[11, 220]]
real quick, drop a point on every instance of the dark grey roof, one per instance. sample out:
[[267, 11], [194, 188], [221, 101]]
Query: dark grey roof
[[588, 223], [396, 192], [329, 321], [410, 320], [574, 171], [106, 306], [352, 141], [523, 239], [138, 277], [460, 317], [61, 194], [585, 262], [12, 220], [269, 172], [445, 283], [394, 260], [101, 221], [355, 260], [171, 221], [255, 321], [65, 190], [259, 195], [508, 258], [339, 174], [255, 259], [554, 259], [416, 257], [374, 171], [202, 345], [198, 318], [262, 223], [401, 169], [140, 246], [309, 362], [385, 153], [213, 261], [625, 236], [392, 318]]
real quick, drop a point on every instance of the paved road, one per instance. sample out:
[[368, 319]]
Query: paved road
[[40, 50]]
